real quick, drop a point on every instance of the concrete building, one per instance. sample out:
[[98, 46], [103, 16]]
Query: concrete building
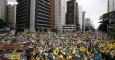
[[58, 15], [72, 14], [88, 24], [63, 10], [3, 9], [33, 15], [80, 17], [52, 21], [111, 5], [69, 28], [83, 21], [23, 15], [11, 16]]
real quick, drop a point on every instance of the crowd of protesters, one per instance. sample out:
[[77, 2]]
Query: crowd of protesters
[[61, 46]]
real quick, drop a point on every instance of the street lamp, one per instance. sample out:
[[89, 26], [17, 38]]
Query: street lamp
[[108, 16]]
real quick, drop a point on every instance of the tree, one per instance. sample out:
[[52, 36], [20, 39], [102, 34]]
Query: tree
[[103, 27], [106, 16], [2, 24], [112, 32], [105, 20]]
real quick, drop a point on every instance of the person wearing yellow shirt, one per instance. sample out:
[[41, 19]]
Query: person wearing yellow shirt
[[60, 56], [69, 57], [37, 58]]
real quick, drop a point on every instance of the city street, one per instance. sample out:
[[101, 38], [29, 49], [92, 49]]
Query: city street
[[57, 46], [57, 29]]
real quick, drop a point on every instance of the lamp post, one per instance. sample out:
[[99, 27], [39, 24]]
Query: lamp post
[[113, 6], [108, 15], [83, 20]]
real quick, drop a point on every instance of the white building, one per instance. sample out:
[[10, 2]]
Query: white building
[[69, 28], [111, 5], [64, 10], [11, 17], [58, 15], [88, 22], [3, 6], [60, 10], [80, 17], [83, 20]]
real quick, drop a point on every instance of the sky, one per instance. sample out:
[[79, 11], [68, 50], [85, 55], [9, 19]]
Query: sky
[[12, 2], [94, 9]]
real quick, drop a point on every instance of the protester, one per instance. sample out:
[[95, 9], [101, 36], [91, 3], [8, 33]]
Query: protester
[[69, 46]]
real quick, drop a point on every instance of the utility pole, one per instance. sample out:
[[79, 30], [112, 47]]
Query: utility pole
[[83, 20], [108, 16], [113, 6]]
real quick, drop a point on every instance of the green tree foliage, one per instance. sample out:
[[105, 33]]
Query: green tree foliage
[[103, 27], [112, 32], [105, 20]]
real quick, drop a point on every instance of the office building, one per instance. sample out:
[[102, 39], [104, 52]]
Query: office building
[[52, 22], [88, 24], [80, 17], [11, 16], [111, 5], [63, 10], [83, 21], [23, 15], [72, 14], [33, 15], [69, 28], [58, 15], [3, 10]]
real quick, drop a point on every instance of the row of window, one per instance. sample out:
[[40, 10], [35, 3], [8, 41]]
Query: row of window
[[42, 8], [68, 28], [43, 22], [42, 11], [21, 15], [21, 11], [20, 5], [45, 16], [42, 25], [44, 4], [42, 17], [47, 3]]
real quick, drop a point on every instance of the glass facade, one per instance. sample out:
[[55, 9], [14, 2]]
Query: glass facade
[[42, 15], [23, 15], [42, 12]]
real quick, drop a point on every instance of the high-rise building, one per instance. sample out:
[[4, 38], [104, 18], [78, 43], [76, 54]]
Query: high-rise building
[[11, 16], [83, 20], [63, 10], [111, 6], [3, 10], [23, 15], [33, 15], [52, 22], [58, 15], [88, 24], [72, 14], [80, 17]]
